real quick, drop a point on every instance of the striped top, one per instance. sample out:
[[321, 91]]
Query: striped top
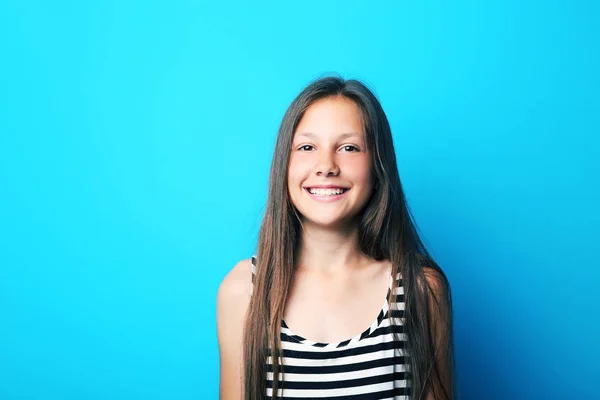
[[372, 365]]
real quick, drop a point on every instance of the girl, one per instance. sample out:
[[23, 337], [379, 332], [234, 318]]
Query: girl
[[342, 300]]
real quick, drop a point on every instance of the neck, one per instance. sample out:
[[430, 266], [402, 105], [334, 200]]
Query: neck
[[330, 250]]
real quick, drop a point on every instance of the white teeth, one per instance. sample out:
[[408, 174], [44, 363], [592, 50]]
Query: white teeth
[[326, 192]]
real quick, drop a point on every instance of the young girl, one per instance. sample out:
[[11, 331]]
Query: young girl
[[342, 300]]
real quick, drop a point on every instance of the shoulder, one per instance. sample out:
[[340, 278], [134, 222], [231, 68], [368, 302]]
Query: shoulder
[[233, 299], [435, 290], [436, 282], [439, 300], [235, 289], [440, 330]]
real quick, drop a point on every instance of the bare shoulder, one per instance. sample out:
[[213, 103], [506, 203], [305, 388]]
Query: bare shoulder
[[237, 281], [235, 289], [233, 299]]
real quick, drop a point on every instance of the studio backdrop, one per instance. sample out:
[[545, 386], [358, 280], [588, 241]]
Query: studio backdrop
[[135, 144]]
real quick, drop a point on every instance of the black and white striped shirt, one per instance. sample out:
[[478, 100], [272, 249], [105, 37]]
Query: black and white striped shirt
[[372, 365]]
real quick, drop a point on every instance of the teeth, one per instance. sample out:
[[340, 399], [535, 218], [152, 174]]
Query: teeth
[[326, 192]]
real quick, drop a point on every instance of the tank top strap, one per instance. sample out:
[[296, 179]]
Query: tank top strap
[[253, 278], [397, 305]]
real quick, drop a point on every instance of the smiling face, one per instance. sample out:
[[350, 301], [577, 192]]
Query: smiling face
[[329, 175]]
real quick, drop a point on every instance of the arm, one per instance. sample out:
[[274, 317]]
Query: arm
[[232, 303], [440, 322]]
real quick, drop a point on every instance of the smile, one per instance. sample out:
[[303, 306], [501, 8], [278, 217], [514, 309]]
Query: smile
[[327, 194]]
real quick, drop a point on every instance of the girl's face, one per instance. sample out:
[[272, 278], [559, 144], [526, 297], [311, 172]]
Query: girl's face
[[329, 178]]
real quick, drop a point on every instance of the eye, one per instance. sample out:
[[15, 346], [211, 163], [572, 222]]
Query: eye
[[350, 148], [306, 147]]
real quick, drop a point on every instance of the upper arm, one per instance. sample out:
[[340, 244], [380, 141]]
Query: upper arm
[[440, 323], [232, 303]]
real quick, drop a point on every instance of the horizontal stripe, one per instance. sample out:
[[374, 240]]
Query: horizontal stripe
[[341, 360], [328, 385], [350, 391], [344, 378], [352, 351], [398, 298], [402, 393], [400, 361]]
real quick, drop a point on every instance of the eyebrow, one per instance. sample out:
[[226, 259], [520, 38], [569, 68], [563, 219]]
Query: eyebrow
[[340, 137]]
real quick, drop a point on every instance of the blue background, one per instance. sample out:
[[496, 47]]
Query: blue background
[[135, 142]]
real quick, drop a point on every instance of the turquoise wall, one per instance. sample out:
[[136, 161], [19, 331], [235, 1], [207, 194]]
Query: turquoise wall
[[135, 142]]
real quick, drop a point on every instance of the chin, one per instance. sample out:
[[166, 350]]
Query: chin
[[327, 222]]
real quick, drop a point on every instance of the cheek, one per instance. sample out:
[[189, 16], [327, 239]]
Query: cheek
[[296, 172], [359, 171]]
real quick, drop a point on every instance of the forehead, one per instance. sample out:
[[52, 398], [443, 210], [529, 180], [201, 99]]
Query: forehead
[[331, 116]]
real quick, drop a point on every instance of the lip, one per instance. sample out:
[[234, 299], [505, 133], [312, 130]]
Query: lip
[[326, 199], [325, 187]]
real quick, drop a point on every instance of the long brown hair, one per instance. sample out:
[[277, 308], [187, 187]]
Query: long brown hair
[[387, 232]]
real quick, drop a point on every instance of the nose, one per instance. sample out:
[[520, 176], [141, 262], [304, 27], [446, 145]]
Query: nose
[[326, 166]]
